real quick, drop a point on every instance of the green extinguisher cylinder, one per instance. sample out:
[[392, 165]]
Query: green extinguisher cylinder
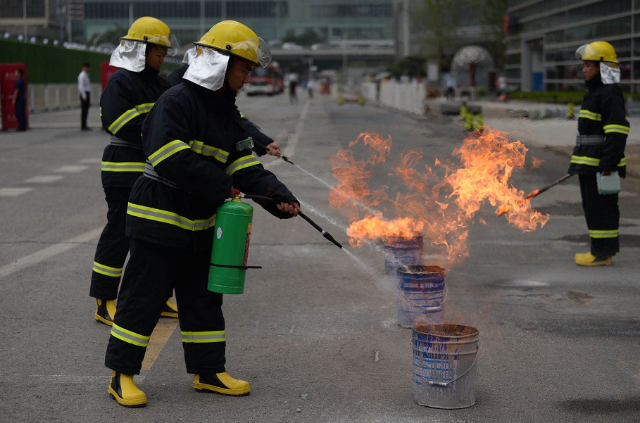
[[230, 247]]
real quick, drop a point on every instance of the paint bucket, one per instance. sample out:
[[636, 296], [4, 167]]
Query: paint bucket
[[399, 251], [421, 296], [445, 365]]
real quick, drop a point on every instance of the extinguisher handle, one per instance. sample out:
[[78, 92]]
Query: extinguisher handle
[[229, 266]]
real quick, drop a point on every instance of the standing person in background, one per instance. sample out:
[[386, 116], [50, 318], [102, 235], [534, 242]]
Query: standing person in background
[[129, 95], [293, 83], [599, 152], [310, 86], [20, 100], [84, 89]]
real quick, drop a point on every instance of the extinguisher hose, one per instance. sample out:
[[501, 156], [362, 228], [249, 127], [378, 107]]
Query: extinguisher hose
[[324, 233]]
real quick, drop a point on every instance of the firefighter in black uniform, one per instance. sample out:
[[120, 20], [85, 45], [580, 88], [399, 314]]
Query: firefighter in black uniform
[[129, 95], [600, 143], [262, 143], [196, 149]]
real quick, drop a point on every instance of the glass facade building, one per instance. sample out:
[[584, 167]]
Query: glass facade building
[[271, 19], [543, 36]]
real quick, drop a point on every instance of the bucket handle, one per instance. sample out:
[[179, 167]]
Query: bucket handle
[[446, 384], [446, 292]]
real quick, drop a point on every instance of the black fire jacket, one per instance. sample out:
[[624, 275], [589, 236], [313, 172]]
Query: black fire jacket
[[602, 113], [126, 100], [260, 139], [193, 141]]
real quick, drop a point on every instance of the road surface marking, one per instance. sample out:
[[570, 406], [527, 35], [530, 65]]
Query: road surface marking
[[13, 192], [71, 169], [91, 161], [47, 253], [161, 334], [43, 179], [290, 149]]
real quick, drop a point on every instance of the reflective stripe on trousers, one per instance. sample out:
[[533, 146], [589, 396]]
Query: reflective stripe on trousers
[[107, 270], [122, 167], [614, 233], [203, 337], [129, 336]]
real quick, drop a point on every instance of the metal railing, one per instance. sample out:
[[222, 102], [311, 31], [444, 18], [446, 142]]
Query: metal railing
[[44, 97]]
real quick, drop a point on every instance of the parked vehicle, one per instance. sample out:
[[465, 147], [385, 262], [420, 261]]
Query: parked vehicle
[[269, 80]]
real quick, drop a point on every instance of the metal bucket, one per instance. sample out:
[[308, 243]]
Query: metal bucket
[[401, 252], [422, 294], [445, 365]]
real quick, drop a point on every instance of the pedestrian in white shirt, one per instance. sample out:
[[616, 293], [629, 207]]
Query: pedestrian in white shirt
[[84, 88]]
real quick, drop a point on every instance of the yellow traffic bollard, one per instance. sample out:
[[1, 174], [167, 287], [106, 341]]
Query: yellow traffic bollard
[[469, 123], [480, 123], [571, 114]]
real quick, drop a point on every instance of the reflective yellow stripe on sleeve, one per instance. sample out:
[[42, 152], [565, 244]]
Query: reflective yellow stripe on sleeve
[[604, 234], [592, 161], [170, 218], [242, 163], [208, 151], [128, 115], [129, 336], [590, 115], [122, 167], [114, 272], [166, 151], [621, 129], [203, 337]]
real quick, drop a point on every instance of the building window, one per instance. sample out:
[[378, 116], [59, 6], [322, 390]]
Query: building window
[[352, 11], [13, 9], [596, 30]]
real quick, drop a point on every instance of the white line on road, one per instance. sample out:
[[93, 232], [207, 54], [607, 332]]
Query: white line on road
[[48, 252], [290, 149], [44, 179], [13, 192], [91, 161], [71, 169]]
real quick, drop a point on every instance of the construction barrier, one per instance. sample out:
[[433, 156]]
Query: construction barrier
[[408, 97]]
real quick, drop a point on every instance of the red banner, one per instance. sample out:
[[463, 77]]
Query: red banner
[[8, 80], [106, 71]]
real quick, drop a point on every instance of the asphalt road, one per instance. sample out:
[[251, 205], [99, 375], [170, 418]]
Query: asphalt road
[[314, 334]]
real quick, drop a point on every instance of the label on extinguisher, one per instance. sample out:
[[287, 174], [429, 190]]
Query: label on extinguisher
[[246, 246]]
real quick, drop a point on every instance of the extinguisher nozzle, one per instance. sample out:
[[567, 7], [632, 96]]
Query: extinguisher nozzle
[[286, 159], [328, 236]]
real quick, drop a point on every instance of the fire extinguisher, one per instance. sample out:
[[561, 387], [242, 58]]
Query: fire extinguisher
[[231, 248]]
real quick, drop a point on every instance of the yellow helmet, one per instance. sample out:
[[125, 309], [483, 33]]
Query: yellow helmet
[[151, 30], [598, 51], [237, 39]]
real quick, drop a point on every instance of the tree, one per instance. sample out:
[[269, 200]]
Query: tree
[[437, 22], [491, 15], [111, 36], [411, 65], [307, 38]]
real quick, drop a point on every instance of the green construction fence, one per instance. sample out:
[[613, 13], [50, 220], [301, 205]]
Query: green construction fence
[[55, 65]]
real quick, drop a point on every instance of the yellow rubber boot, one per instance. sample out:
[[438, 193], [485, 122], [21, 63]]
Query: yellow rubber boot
[[221, 383], [123, 389], [589, 260], [105, 311], [170, 310]]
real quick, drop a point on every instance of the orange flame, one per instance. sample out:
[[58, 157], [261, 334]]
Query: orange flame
[[536, 163], [439, 204]]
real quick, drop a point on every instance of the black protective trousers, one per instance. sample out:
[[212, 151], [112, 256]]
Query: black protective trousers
[[113, 247], [152, 272], [603, 217]]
